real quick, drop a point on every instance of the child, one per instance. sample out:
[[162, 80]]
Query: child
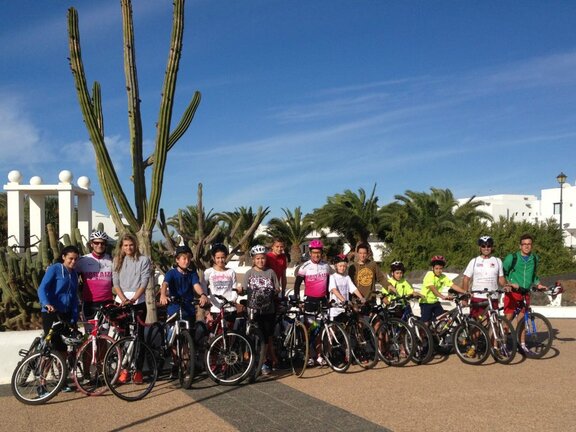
[[262, 287], [340, 285], [219, 279], [277, 261], [182, 283], [433, 282]]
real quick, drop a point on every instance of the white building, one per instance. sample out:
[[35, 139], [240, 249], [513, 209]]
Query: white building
[[531, 209]]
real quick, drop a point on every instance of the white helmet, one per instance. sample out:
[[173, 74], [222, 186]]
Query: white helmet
[[258, 249], [556, 289], [99, 235]]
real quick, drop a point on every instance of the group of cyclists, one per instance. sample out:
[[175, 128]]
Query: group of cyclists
[[82, 285]]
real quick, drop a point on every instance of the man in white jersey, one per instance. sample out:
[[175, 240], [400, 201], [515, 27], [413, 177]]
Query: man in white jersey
[[95, 269], [486, 272]]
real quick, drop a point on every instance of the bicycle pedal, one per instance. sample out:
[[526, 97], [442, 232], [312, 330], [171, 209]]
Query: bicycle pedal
[[23, 352]]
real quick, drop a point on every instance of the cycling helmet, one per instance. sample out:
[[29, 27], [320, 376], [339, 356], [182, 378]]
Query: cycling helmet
[[340, 258], [181, 250], [485, 241], [315, 244], [99, 235], [73, 338], [218, 247], [397, 265], [556, 289], [258, 249], [438, 260]]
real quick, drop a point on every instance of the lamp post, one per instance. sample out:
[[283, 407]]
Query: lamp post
[[561, 179]]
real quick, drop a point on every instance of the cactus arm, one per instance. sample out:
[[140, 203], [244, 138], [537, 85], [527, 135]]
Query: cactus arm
[[106, 174], [134, 116], [185, 122], [165, 115]]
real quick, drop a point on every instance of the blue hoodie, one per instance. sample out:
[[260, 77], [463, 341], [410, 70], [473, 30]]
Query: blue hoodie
[[59, 288]]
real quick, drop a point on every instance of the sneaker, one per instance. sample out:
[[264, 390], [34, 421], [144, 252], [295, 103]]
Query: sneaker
[[525, 350], [320, 360], [41, 390], [137, 378], [266, 370], [311, 362], [124, 376], [471, 353], [67, 389], [174, 372]]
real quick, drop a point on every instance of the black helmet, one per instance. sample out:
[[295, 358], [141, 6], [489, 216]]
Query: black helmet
[[397, 265], [182, 249], [485, 241]]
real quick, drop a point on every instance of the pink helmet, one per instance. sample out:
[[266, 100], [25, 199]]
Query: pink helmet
[[315, 244]]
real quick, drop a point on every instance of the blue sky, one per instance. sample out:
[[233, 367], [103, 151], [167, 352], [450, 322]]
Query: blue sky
[[304, 99]]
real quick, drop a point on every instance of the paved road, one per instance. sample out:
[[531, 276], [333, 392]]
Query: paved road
[[528, 395]]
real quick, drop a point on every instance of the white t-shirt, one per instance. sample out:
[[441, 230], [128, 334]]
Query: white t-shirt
[[484, 273], [345, 286], [221, 283]]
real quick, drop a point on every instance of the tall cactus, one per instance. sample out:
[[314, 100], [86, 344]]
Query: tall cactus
[[142, 218]]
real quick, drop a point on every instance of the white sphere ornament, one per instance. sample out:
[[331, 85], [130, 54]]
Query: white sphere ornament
[[84, 182], [65, 176], [15, 176], [36, 180]]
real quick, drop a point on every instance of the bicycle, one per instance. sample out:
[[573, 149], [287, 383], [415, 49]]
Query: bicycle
[[130, 369], [229, 356], [501, 331], [394, 336], [249, 327], [43, 372], [455, 330], [363, 340], [172, 340], [89, 363], [423, 339], [292, 339], [535, 328], [334, 341]]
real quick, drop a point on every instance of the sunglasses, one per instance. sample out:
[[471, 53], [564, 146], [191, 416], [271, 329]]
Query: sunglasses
[[485, 245], [99, 243]]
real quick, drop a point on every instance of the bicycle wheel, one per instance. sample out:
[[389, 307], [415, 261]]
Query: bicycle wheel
[[130, 369], [89, 364], [503, 339], [539, 334], [296, 343], [395, 342], [363, 344], [229, 358], [423, 343], [471, 342], [39, 377], [186, 358], [336, 347], [256, 337]]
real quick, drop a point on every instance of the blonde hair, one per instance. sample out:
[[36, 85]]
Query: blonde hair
[[119, 256]]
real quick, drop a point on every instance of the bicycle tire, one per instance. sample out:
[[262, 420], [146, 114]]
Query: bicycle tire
[[363, 344], [256, 337], [39, 377], [297, 346], [131, 355], [186, 358], [539, 336], [229, 358], [503, 340], [423, 343], [336, 347], [395, 342], [88, 376], [471, 342]]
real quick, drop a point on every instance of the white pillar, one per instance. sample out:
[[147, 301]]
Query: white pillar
[[15, 202], [37, 219], [85, 215], [65, 209]]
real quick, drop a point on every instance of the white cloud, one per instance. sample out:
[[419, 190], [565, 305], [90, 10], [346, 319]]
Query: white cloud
[[19, 137]]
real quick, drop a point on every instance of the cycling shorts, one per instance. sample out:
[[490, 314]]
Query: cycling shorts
[[512, 299]]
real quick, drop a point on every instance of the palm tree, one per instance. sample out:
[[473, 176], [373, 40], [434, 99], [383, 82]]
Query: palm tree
[[292, 229], [353, 216], [239, 227]]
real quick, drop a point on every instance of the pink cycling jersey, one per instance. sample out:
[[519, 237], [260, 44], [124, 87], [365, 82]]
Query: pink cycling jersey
[[316, 277], [96, 273]]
